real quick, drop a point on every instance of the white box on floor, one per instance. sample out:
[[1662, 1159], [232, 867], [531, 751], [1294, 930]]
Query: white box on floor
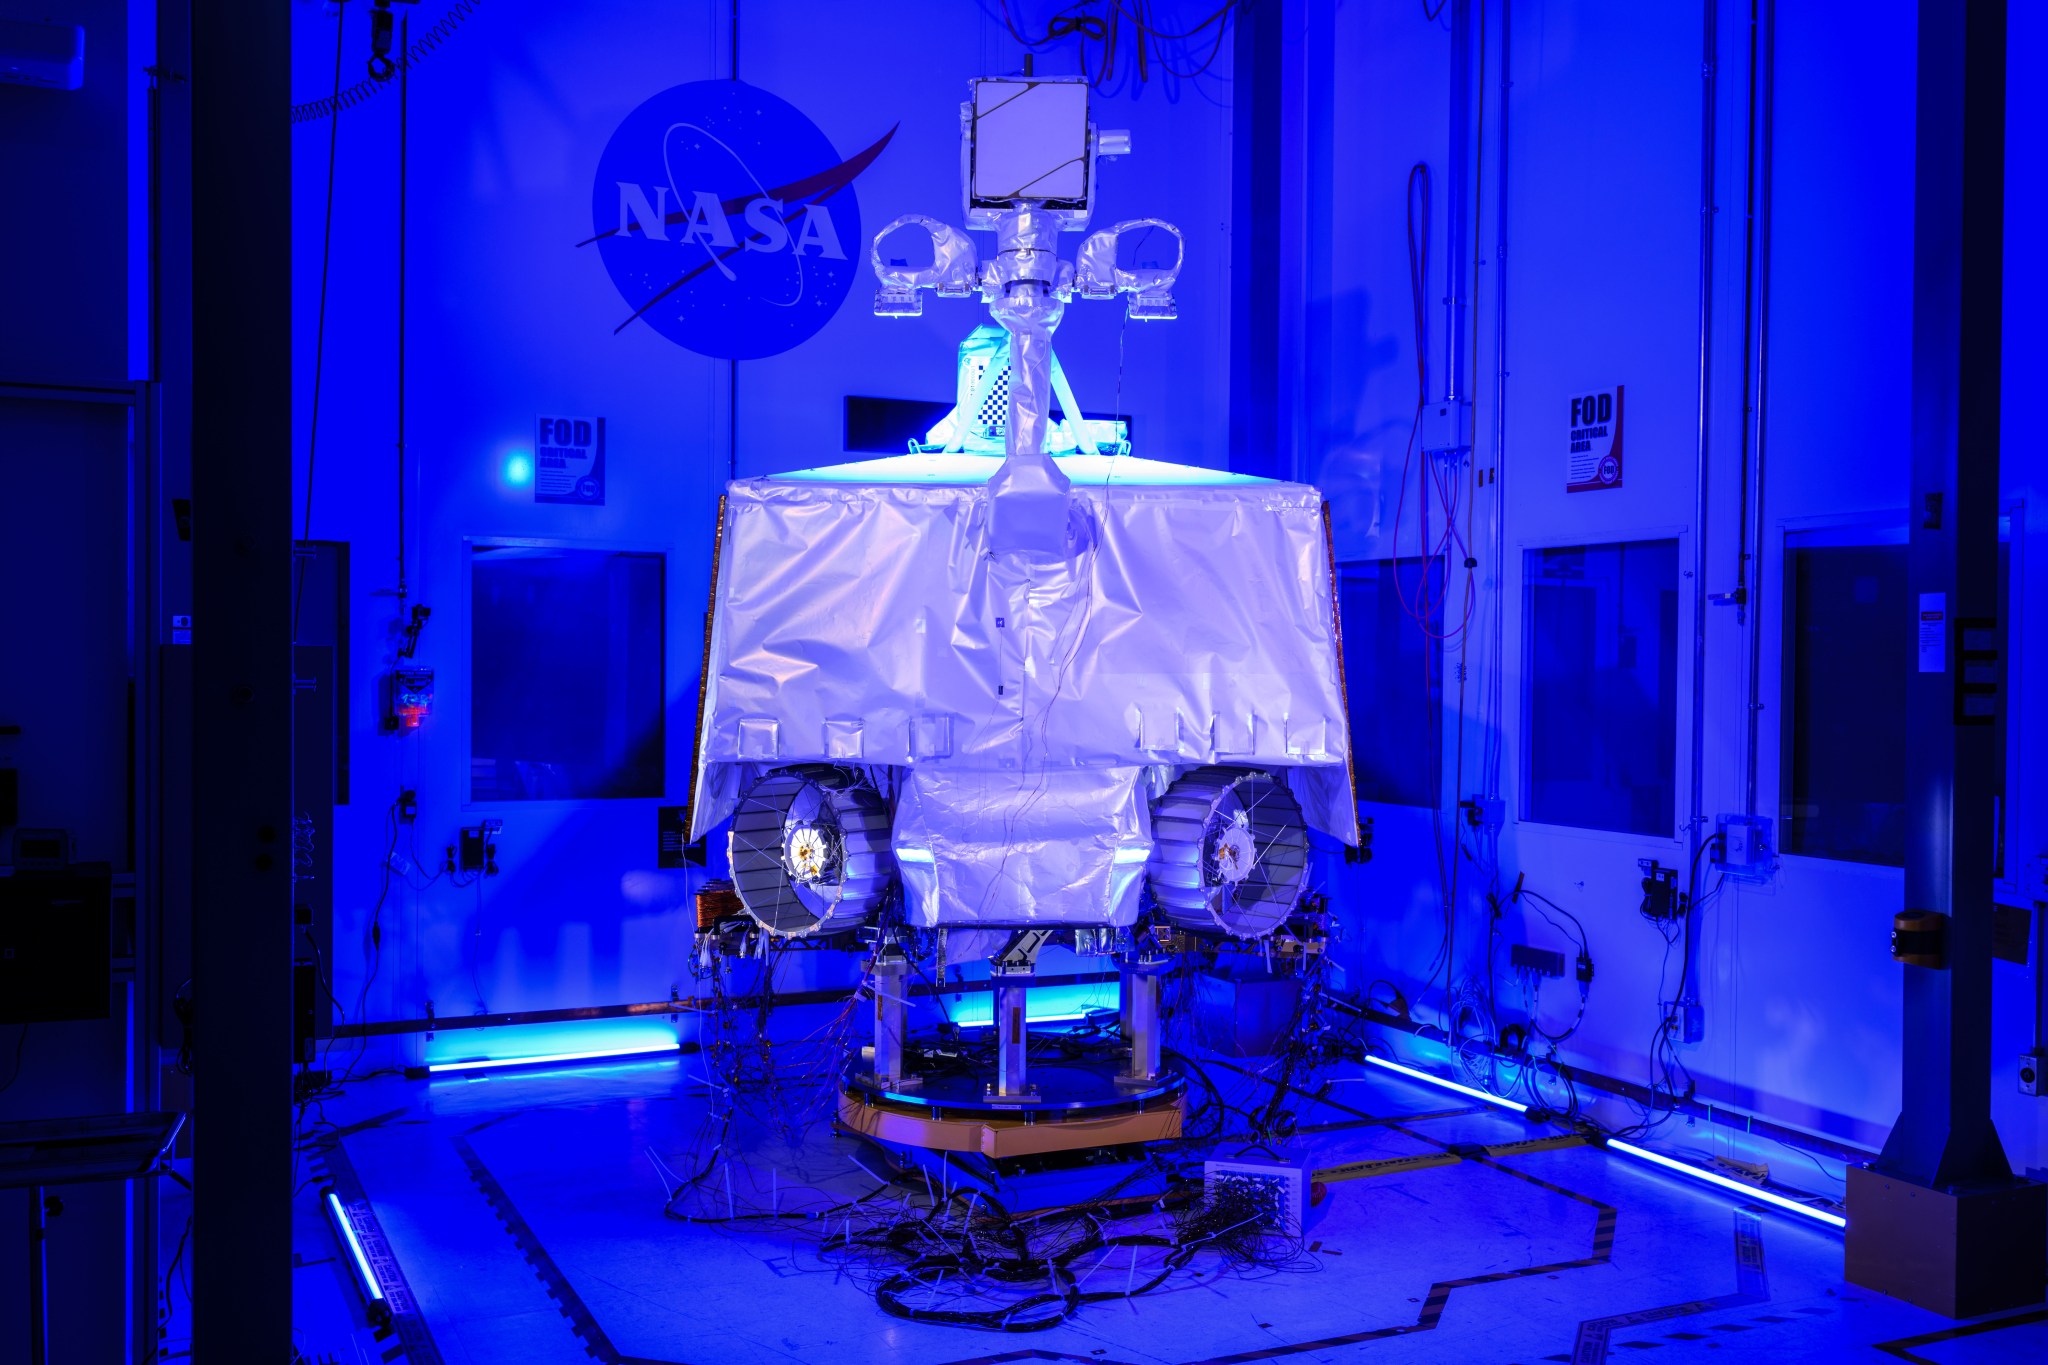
[[1285, 1182]]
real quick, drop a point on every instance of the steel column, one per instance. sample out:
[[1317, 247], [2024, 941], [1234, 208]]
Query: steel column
[[1944, 1135], [1938, 1219], [241, 285]]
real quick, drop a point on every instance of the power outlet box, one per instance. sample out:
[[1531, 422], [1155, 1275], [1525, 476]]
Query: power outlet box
[[1661, 897], [1485, 812], [1755, 1172], [479, 848], [1744, 847], [1685, 1021]]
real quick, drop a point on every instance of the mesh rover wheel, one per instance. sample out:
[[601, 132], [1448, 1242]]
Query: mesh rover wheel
[[1230, 852], [810, 849]]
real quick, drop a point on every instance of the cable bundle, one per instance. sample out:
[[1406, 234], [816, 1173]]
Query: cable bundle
[[1106, 29]]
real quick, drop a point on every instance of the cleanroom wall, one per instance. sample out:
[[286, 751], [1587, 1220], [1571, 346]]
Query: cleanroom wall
[[1592, 140]]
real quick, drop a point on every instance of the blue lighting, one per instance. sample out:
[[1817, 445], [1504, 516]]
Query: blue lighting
[[356, 1254], [1086, 471], [1747, 1191], [532, 1045], [519, 468], [1684, 1168], [550, 1058], [1471, 1091], [1042, 1004]]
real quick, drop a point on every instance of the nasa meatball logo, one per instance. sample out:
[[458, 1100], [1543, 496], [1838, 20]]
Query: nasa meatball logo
[[727, 221]]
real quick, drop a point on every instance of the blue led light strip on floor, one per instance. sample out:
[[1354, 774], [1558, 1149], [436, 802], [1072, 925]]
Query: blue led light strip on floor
[[552, 1058], [1684, 1168], [1746, 1190], [1472, 1091], [356, 1255]]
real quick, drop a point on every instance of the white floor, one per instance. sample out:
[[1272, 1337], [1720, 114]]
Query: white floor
[[525, 1215]]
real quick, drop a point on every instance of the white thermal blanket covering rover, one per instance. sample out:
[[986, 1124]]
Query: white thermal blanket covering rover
[[1025, 713]]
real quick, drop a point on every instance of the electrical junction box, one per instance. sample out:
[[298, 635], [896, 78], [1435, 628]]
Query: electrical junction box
[[1446, 427], [1280, 1186], [1745, 847]]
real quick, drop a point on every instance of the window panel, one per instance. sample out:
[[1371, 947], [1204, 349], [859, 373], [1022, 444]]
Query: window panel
[[1851, 645], [1849, 648], [1600, 732], [566, 674], [1393, 617]]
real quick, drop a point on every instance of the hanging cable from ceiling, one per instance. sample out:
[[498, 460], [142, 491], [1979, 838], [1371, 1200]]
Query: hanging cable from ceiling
[[319, 350], [383, 66], [1115, 28], [403, 140]]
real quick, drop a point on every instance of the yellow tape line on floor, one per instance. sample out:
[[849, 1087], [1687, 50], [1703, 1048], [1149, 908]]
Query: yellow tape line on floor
[[1422, 1161]]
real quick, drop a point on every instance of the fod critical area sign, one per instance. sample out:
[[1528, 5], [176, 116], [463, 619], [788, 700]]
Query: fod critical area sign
[[1593, 460], [568, 460]]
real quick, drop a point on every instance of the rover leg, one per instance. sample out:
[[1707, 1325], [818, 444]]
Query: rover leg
[[1011, 1037], [1138, 1004], [892, 1019]]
